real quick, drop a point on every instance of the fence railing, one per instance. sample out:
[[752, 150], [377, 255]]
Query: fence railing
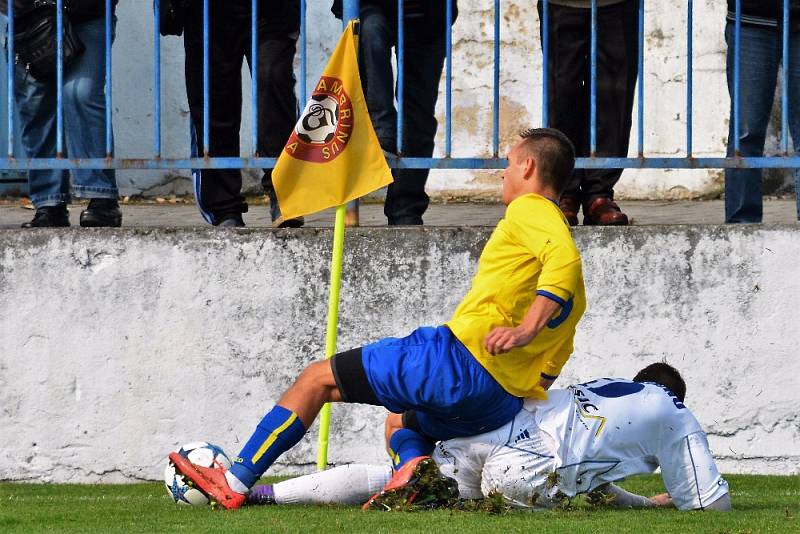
[[155, 161]]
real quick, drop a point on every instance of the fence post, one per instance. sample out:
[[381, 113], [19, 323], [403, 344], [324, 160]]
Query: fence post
[[689, 79], [254, 76], [109, 83], [157, 79], [10, 72], [11, 181], [545, 22], [59, 79], [350, 11]]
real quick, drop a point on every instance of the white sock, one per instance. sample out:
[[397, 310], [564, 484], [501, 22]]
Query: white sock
[[346, 484], [236, 484]]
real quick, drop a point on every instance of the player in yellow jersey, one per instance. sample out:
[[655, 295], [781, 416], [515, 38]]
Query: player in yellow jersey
[[507, 340]]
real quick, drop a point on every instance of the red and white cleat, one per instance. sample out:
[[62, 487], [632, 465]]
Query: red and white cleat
[[417, 482], [210, 480]]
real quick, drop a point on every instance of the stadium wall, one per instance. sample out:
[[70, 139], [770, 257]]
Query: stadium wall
[[520, 94], [119, 346]]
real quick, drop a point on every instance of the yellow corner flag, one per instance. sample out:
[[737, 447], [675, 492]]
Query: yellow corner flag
[[333, 155]]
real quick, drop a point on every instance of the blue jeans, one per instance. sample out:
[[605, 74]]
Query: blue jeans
[[760, 56], [406, 200], [84, 123]]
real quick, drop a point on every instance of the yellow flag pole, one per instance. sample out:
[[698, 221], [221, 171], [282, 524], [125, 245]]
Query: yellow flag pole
[[333, 322]]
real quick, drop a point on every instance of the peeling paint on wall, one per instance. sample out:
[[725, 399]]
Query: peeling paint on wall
[[119, 346]]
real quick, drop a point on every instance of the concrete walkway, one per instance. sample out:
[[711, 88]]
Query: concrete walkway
[[641, 212]]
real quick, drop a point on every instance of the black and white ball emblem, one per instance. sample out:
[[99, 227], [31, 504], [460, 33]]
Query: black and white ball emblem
[[326, 124], [319, 120]]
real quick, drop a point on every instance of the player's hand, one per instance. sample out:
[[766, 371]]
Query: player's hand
[[502, 339], [546, 383], [662, 499]]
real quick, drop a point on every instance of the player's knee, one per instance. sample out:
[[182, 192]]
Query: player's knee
[[318, 376], [393, 423], [314, 373]]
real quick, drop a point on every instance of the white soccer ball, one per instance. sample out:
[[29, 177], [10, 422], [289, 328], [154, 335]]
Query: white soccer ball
[[317, 124], [199, 453]]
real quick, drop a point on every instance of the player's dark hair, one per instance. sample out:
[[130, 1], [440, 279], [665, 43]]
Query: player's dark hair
[[664, 374], [554, 154]]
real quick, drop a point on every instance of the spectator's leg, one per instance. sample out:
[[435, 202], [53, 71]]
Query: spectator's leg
[[794, 105], [85, 113], [375, 66], [617, 69], [406, 200], [277, 104], [218, 192], [36, 103], [758, 74], [568, 85]]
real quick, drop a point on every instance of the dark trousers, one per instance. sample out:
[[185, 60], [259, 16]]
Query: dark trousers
[[569, 86], [406, 200], [218, 192], [760, 55]]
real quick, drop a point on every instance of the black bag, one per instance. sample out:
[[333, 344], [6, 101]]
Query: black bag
[[172, 16], [35, 41]]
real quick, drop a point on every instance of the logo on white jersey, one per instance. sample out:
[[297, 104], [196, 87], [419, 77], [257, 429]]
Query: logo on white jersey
[[587, 410]]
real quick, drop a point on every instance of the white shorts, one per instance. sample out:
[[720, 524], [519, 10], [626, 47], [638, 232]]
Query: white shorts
[[514, 460]]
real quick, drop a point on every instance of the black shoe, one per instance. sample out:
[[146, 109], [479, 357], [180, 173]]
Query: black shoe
[[49, 217], [278, 220], [231, 222], [102, 212], [405, 221]]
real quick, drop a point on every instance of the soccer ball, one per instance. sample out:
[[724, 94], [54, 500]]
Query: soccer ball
[[199, 453], [317, 125]]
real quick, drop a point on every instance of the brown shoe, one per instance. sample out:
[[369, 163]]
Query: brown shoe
[[570, 207], [605, 212]]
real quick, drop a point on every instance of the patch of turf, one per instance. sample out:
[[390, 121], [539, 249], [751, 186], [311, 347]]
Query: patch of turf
[[429, 488], [761, 504]]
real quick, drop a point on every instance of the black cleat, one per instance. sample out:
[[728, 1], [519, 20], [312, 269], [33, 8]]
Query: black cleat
[[419, 483]]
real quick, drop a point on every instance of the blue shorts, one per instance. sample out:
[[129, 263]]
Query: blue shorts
[[430, 376]]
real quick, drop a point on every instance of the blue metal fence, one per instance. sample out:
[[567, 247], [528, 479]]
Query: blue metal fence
[[15, 160], [10, 180]]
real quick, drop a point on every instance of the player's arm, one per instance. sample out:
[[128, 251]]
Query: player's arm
[[503, 339], [691, 476], [612, 495], [723, 504]]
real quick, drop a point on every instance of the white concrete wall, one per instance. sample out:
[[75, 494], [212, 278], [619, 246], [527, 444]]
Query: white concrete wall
[[665, 78], [119, 346]]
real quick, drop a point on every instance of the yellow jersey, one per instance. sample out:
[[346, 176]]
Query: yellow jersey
[[530, 253]]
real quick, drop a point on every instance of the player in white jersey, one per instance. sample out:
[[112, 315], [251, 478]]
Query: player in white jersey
[[580, 440]]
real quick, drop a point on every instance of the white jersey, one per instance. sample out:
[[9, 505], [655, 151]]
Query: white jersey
[[585, 436]]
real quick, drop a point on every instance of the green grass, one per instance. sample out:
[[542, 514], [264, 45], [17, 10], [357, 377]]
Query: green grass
[[761, 503]]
